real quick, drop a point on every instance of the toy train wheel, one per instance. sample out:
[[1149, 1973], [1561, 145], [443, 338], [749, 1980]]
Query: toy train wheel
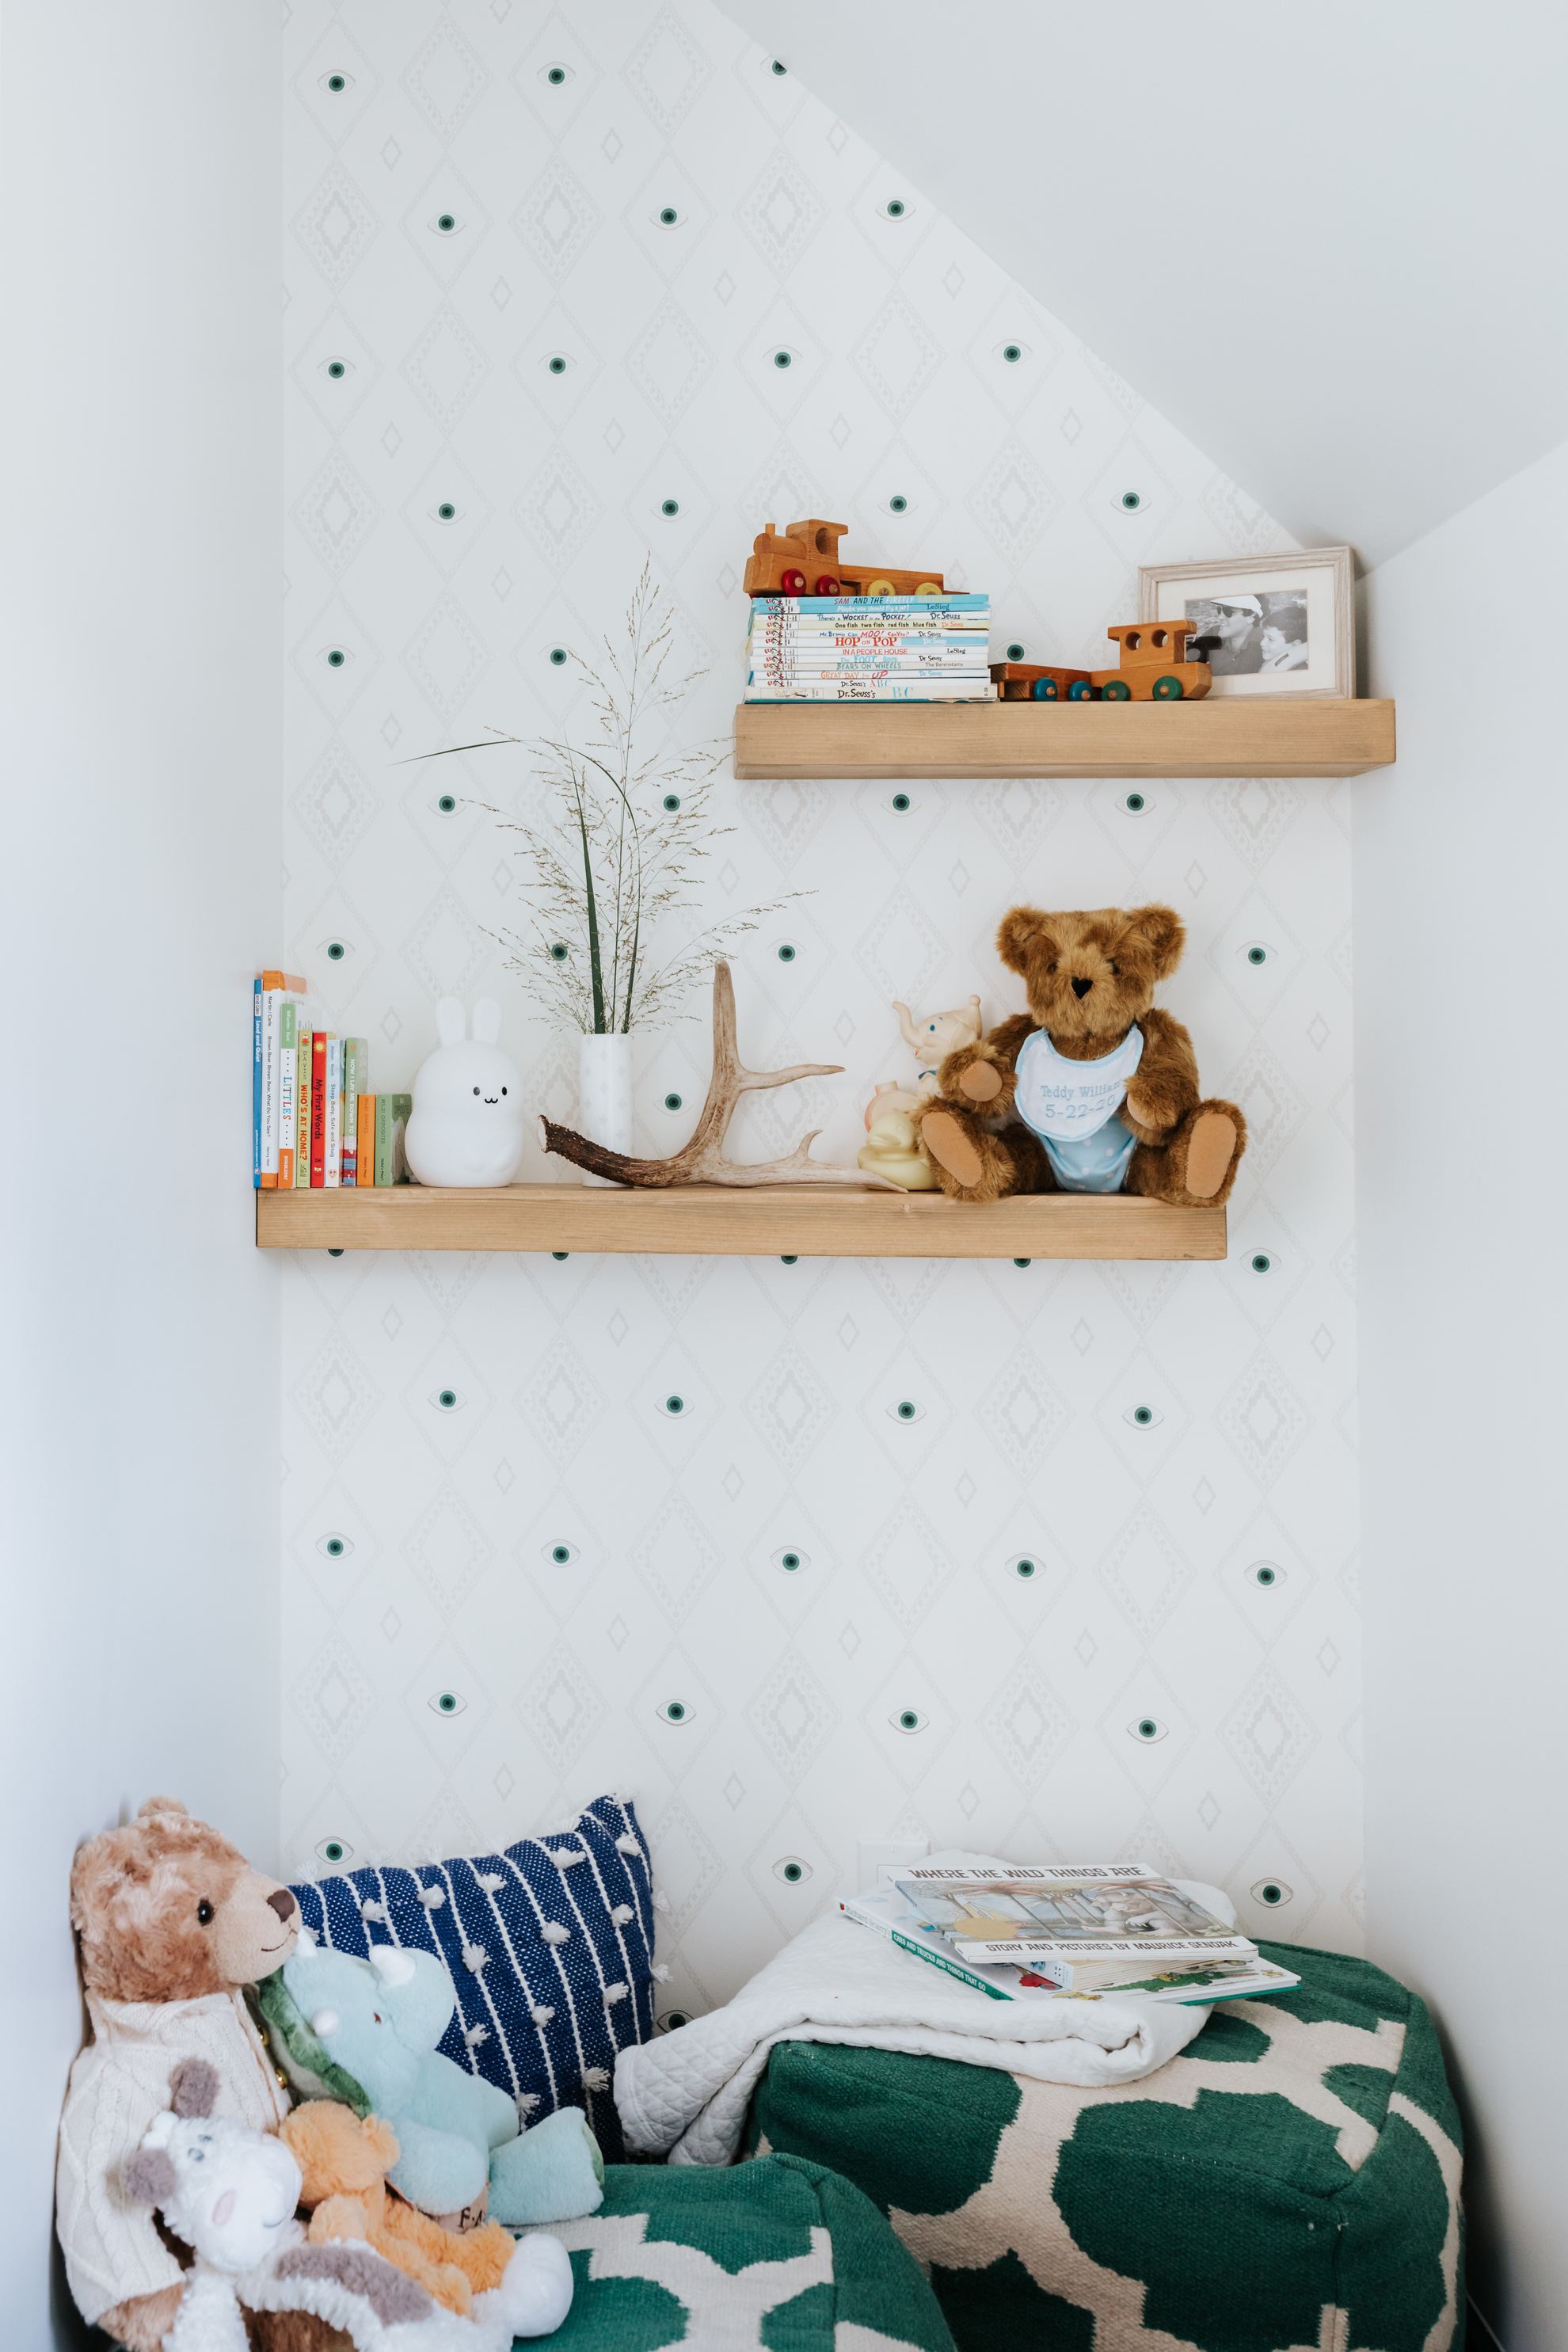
[[928, 588], [1045, 690], [1168, 689], [1080, 690], [1116, 689], [826, 585], [791, 583], [878, 587]]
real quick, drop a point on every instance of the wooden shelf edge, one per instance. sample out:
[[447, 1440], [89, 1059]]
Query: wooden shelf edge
[[1312, 737], [724, 1221]]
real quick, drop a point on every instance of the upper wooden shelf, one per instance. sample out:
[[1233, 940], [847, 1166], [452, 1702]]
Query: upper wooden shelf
[[1257, 736], [732, 1221]]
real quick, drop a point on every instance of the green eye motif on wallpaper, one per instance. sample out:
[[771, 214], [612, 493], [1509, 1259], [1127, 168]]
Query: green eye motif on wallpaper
[[674, 1406], [334, 1851], [1130, 501], [1256, 952], [446, 223], [559, 1555], [1148, 1729], [791, 1869], [791, 1561], [675, 1711], [906, 1410], [667, 217], [446, 1702], [336, 369], [1271, 1892], [670, 2021], [1265, 1573], [783, 358], [1013, 353], [1143, 1417], [787, 951], [556, 74], [672, 1102], [908, 1720], [900, 804], [558, 657], [898, 503], [1135, 803], [336, 83], [1260, 1262], [1024, 1568], [336, 656], [447, 804], [669, 507], [557, 363], [334, 1547], [448, 1400], [894, 209]]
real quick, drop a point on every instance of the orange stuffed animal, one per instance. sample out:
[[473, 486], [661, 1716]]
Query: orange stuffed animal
[[343, 2160]]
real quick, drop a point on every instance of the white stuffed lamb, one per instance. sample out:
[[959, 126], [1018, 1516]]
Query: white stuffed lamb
[[229, 2192], [467, 1125]]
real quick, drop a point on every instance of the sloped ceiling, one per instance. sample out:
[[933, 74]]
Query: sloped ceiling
[[1327, 240]]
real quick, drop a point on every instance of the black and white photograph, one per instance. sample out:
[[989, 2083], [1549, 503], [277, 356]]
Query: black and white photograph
[[1249, 633], [1267, 624]]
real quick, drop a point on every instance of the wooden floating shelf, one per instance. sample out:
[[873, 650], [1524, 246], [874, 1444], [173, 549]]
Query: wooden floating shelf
[[1252, 737], [732, 1221]]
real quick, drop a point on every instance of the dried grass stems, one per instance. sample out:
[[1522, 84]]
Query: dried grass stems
[[621, 856]]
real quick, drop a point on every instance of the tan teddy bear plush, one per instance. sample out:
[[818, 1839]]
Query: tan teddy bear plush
[[174, 1924], [343, 2160], [1094, 1089]]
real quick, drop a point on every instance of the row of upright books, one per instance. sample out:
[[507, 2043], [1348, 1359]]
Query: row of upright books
[[314, 1120], [1089, 1929], [868, 649]]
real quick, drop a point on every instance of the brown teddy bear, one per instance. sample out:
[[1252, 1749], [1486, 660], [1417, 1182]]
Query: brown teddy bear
[[174, 1924], [1094, 1089], [343, 2160]]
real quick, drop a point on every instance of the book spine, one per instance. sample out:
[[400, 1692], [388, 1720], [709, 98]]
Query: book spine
[[318, 1107], [355, 1051], [271, 1004], [303, 1107], [924, 689], [288, 1102], [255, 1084], [808, 606], [365, 1140], [333, 1174], [850, 632], [924, 1952], [1019, 1951], [883, 673], [402, 1106], [384, 1139]]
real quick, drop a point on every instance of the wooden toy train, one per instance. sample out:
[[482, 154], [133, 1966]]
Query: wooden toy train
[[1154, 667], [803, 561]]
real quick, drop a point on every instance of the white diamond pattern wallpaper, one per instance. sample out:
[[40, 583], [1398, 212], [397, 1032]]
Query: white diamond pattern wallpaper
[[1058, 1560]]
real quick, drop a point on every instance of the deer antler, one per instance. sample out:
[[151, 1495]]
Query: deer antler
[[703, 1161]]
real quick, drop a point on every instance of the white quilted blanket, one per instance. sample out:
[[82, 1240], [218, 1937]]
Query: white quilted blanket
[[686, 2093]]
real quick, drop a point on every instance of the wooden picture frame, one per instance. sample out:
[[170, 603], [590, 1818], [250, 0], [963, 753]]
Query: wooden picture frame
[[1289, 620]]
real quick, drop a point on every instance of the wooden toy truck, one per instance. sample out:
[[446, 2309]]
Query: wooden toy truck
[[803, 561], [1154, 669]]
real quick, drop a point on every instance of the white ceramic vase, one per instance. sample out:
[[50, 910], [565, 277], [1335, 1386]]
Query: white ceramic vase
[[605, 1092]]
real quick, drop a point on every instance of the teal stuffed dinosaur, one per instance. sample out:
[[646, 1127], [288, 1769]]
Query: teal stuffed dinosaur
[[366, 2030]]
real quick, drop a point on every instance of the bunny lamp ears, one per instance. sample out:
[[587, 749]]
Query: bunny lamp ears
[[451, 1021]]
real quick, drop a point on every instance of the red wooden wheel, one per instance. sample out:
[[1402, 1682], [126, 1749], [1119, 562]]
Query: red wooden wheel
[[793, 584], [827, 585]]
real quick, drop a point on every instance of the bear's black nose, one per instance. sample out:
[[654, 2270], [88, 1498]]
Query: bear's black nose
[[1082, 987], [282, 1902]]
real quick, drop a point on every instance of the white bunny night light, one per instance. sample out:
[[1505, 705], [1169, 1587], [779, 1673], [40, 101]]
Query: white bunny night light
[[466, 1124]]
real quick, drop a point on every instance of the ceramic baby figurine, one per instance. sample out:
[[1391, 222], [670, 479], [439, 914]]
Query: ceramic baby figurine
[[467, 1125]]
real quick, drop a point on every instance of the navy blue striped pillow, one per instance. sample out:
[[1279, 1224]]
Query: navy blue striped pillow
[[549, 1947]]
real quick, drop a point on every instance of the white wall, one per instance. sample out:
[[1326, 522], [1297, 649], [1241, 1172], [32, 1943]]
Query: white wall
[[139, 716], [1460, 853], [1029, 1693]]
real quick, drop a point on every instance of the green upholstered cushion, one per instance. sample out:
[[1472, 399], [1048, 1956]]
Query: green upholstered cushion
[[780, 2254], [1288, 2180]]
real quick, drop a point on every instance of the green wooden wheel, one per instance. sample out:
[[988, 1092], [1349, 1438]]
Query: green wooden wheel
[[1045, 689], [1116, 689], [1168, 689], [1080, 690]]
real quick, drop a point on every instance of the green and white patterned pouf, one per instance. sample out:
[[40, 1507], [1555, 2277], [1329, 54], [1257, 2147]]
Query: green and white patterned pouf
[[776, 2256], [1287, 2183]]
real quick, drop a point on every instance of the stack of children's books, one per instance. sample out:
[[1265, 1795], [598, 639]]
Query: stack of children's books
[[868, 649], [315, 1119], [1067, 1928]]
